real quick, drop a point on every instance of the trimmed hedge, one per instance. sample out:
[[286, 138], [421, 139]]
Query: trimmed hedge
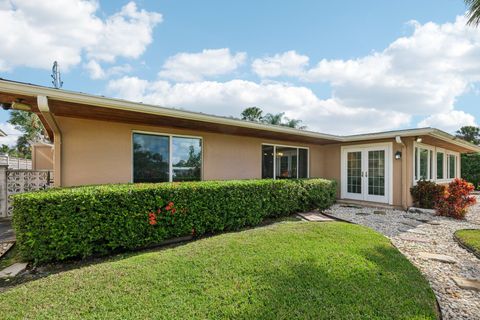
[[66, 223]]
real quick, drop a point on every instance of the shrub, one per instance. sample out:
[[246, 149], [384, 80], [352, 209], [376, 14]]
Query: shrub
[[65, 223], [456, 199], [426, 193], [471, 168]]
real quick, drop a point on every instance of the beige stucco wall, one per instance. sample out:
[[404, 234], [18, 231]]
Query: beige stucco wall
[[42, 157], [96, 152]]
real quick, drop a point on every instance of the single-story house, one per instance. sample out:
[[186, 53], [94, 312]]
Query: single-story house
[[98, 140]]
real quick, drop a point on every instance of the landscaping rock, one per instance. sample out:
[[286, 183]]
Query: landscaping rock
[[437, 257], [407, 237], [13, 270], [421, 210], [379, 212], [467, 284], [416, 231], [5, 246]]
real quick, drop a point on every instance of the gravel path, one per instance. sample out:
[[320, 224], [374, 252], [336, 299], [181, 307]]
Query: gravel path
[[420, 234]]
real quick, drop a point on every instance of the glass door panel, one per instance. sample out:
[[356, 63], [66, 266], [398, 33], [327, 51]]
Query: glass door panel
[[354, 174], [376, 172]]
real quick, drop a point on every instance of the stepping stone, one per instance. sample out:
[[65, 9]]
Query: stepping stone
[[413, 238], [422, 220], [13, 270], [437, 257], [433, 223], [362, 214], [314, 216], [403, 229], [410, 224], [417, 231], [379, 212], [467, 284], [350, 206]]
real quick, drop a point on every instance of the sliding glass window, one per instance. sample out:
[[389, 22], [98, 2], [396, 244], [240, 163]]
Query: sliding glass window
[[163, 158], [282, 162]]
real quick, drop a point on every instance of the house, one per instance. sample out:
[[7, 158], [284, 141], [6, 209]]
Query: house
[[101, 140]]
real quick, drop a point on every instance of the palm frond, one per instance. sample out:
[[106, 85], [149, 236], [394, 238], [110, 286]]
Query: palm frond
[[473, 13]]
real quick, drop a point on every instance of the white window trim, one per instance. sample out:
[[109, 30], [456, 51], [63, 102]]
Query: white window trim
[[286, 146], [170, 136], [446, 152]]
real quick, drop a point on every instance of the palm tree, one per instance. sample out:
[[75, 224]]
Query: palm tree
[[473, 12], [252, 114], [275, 119], [294, 123]]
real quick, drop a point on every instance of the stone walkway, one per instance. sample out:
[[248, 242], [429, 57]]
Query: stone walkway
[[427, 241], [7, 236]]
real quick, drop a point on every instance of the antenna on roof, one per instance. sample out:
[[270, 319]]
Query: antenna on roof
[[57, 79]]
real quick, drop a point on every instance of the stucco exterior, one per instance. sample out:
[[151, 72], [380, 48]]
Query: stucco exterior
[[98, 152], [42, 157]]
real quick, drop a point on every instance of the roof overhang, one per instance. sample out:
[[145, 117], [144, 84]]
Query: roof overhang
[[81, 105]]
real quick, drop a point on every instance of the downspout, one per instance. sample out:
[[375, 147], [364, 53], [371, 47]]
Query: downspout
[[398, 139], [42, 102]]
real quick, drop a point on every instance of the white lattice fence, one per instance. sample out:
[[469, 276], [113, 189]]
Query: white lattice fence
[[18, 181]]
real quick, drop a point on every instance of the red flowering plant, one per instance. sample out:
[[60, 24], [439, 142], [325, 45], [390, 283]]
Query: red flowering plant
[[166, 213], [456, 199]]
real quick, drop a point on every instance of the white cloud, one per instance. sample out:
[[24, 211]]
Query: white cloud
[[450, 121], [35, 33], [12, 134], [96, 71], [421, 74], [289, 63], [231, 97], [197, 66]]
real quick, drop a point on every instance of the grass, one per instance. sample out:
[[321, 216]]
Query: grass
[[470, 238], [282, 271]]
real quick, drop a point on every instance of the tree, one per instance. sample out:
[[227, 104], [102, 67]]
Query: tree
[[294, 123], [473, 14], [30, 126], [275, 119], [470, 134], [252, 114]]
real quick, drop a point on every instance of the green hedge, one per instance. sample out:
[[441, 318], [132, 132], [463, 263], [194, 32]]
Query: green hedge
[[66, 223]]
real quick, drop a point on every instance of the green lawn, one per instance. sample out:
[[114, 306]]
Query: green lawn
[[288, 270], [470, 239]]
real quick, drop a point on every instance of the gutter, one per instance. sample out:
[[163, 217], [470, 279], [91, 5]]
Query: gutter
[[100, 101], [42, 102]]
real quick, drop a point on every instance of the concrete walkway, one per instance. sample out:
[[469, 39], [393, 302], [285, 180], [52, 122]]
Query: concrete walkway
[[314, 216], [6, 231]]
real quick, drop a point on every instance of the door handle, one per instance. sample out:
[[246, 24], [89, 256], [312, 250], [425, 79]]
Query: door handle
[[366, 174]]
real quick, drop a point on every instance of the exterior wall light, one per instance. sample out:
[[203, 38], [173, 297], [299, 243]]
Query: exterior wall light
[[398, 155], [418, 139]]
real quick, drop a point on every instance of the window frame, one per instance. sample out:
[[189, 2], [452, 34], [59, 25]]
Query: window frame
[[448, 165], [432, 163], [170, 153], [274, 145]]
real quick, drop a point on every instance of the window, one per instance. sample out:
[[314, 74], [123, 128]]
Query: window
[[452, 166], [163, 158], [440, 163], [423, 163], [282, 162]]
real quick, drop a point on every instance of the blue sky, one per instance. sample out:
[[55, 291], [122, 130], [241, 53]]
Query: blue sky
[[342, 67]]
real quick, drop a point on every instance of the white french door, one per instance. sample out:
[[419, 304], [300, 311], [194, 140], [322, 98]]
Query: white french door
[[366, 173]]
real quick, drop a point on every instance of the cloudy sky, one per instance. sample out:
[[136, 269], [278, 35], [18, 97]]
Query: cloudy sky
[[342, 67]]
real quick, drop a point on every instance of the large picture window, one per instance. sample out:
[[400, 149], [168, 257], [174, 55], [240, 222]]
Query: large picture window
[[163, 158], [284, 162]]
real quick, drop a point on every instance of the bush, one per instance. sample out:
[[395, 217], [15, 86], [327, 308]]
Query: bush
[[65, 223], [456, 199], [426, 193], [471, 168]]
